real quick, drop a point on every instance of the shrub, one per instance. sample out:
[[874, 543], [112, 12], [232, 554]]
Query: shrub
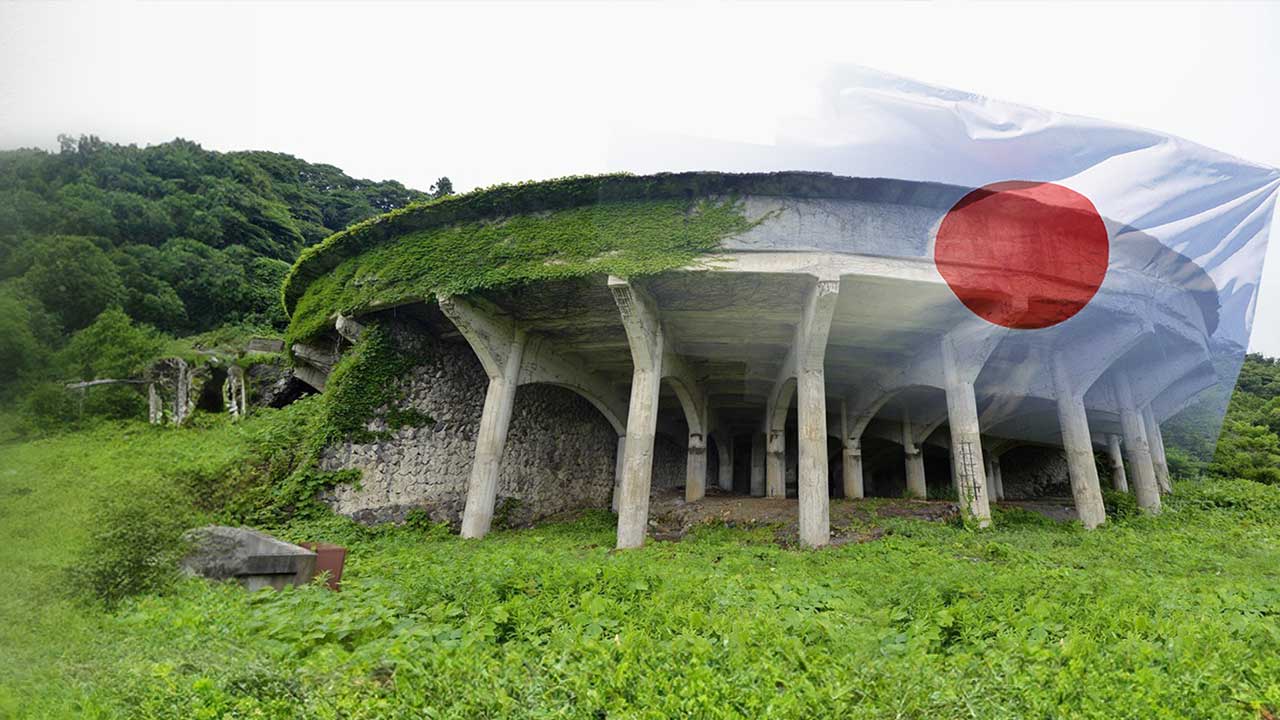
[[1120, 505], [134, 545], [1241, 497]]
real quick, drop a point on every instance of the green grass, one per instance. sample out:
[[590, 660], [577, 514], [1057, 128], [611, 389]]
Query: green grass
[[1169, 617]]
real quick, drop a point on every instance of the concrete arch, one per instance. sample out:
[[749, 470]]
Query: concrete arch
[[610, 413]]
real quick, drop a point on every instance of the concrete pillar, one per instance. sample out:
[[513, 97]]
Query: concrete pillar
[[695, 476], [642, 423], [850, 456], [499, 399], [619, 460], [990, 473], [1073, 423], [155, 410], [999, 475], [1135, 445], [966, 452], [181, 391], [1118, 480], [1156, 444], [724, 450], [916, 487], [775, 464], [815, 502], [758, 441]]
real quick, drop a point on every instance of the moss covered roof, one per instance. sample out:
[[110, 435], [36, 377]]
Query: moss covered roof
[[619, 224]]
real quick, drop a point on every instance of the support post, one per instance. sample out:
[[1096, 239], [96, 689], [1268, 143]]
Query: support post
[[695, 476], [1118, 480], [620, 455], [809, 353], [999, 474], [1135, 445], [724, 450], [758, 441], [644, 335], [916, 485], [774, 464], [966, 436], [155, 411], [991, 479], [850, 456], [815, 502], [1073, 423], [1156, 444], [499, 345]]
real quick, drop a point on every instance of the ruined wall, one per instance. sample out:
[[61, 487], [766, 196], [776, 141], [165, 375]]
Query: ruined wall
[[559, 454], [1031, 472]]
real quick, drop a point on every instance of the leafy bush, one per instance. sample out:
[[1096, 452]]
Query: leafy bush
[[135, 543], [1240, 497], [1119, 505]]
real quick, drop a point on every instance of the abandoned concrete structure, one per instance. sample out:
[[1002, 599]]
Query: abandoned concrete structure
[[814, 342]]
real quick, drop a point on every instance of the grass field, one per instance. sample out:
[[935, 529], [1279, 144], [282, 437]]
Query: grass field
[[1169, 617]]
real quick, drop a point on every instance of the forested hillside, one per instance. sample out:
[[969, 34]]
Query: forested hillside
[[181, 239]]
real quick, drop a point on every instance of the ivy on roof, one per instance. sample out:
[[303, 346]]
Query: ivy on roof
[[506, 201], [626, 237]]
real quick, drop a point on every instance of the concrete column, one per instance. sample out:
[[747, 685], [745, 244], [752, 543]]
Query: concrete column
[[999, 475], [990, 473], [642, 423], [619, 461], [758, 442], [695, 476], [850, 456], [1156, 445], [815, 502], [155, 410], [724, 449], [181, 391], [1135, 445], [775, 464], [1073, 423], [916, 487], [1118, 480], [499, 399], [966, 452]]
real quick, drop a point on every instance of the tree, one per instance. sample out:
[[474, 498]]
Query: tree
[[74, 278], [441, 188], [111, 347]]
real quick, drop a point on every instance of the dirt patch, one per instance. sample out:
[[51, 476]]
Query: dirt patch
[[852, 521]]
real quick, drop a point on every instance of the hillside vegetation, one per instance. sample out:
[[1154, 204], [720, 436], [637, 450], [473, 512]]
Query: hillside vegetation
[[179, 239]]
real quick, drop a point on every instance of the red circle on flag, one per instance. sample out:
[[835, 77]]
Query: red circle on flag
[[1023, 255]]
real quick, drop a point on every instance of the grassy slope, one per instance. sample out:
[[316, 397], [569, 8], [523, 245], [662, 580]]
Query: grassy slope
[[1171, 617]]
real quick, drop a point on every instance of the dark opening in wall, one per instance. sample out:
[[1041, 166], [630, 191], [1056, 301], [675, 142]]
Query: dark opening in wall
[[210, 399]]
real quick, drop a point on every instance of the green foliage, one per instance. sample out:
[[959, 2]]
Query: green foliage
[[134, 543], [366, 386], [181, 238], [1119, 505], [1247, 451], [628, 237], [111, 347], [72, 277], [1164, 616]]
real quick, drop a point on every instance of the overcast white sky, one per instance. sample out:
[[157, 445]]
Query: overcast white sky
[[491, 92]]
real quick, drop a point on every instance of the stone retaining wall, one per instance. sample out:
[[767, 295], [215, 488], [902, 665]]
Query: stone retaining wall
[[559, 454]]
